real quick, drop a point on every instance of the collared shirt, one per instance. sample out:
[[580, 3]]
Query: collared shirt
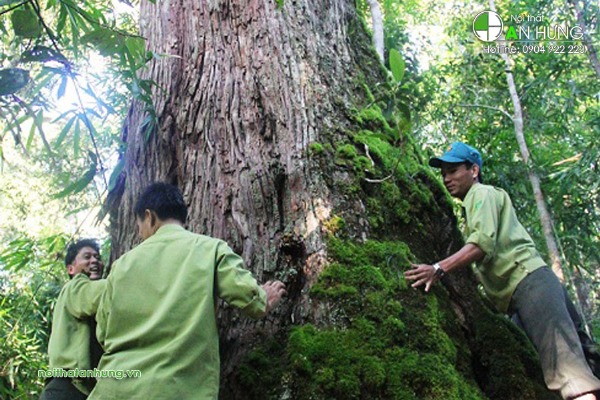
[[69, 346], [158, 315], [510, 254]]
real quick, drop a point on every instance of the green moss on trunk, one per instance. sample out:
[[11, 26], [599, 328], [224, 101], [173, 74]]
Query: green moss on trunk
[[385, 340], [379, 338]]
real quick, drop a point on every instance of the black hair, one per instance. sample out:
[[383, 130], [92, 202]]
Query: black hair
[[469, 165], [74, 249], [164, 199]]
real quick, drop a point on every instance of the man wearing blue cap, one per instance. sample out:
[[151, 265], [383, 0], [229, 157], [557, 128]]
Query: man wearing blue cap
[[513, 274]]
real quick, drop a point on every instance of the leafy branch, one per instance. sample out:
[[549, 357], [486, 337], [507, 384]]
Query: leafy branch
[[71, 75], [397, 68], [487, 107], [88, 27]]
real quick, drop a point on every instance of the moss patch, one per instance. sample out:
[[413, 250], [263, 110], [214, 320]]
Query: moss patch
[[384, 339], [315, 148], [499, 346], [381, 339]]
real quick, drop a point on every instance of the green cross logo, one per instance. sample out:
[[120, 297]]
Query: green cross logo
[[487, 26]]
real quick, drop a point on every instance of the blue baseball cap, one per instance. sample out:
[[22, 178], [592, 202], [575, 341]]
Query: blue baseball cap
[[458, 153]]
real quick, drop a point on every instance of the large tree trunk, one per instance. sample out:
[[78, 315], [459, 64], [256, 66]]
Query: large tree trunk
[[262, 123]]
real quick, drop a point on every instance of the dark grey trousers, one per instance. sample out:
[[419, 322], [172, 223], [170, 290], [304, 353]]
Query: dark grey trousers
[[61, 389], [541, 305]]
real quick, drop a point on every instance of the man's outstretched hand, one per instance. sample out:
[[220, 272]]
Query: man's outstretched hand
[[275, 290], [422, 274]]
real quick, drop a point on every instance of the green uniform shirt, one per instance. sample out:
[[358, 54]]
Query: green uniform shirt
[[158, 315], [69, 346], [510, 253]]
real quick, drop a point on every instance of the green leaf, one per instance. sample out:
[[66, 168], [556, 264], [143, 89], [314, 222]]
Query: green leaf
[[61, 116], [62, 18], [93, 157], [86, 18], [106, 41], [404, 125], [135, 88], [76, 138], [43, 54], [9, 2], [148, 125], [79, 184], [14, 123], [42, 80], [12, 80], [17, 255], [114, 177], [64, 131], [26, 23], [62, 87], [405, 110], [30, 138], [75, 35], [388, 111], [100, 102], [136, 47], [91, 111], [397, 65]]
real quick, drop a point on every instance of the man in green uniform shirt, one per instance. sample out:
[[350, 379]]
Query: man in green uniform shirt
[[158, 313], [73, 345], [511, 271]]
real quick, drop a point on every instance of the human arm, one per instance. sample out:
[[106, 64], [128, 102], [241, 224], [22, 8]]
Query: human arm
[[238, 287], [426, 274], [482, 208], [104, 308], [82, 295]]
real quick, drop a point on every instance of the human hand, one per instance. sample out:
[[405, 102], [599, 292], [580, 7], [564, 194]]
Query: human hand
[[275, 290], [422, 274]]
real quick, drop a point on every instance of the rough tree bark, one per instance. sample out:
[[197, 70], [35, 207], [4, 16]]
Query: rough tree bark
[[262, 124], [579, 9]]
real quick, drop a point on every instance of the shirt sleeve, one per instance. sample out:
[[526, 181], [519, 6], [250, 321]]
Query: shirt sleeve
[[236, 285], [104, 311], [82, 295], [482, 219]]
